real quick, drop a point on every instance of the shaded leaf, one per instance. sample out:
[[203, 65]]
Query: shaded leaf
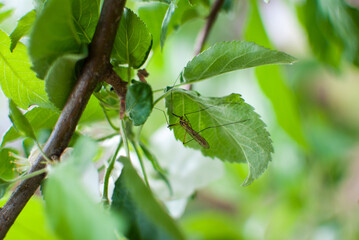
[[62, 77], [273, 83], [133, 41], [20, 122], [233, 131], [85, 16], [79, 217], [132, 197], [230, 56], [22, 28], [3, 187], [333, 30], [139, 102], [53, 27], [18, 81]]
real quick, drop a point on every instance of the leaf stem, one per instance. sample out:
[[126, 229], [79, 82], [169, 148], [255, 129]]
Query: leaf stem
[[135, 146], [108, 119], [111, 165]]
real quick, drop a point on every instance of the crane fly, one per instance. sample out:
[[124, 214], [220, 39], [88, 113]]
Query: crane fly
[[186, 125]]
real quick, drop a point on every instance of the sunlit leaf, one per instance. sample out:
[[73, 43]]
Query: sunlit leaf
[[230, 56], [7, 165], [231, 128], [17, 80], [22, 28], [4, 15], [139, 102], [31, 223], [133, 41]]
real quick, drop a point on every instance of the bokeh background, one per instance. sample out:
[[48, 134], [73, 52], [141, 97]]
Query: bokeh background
[[311, 187]]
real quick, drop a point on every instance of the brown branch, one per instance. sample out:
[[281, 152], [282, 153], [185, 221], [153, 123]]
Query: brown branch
[[202, 37], [96, 66]]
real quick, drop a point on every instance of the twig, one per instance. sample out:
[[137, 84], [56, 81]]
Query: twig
[[97, 66], [203, 35]]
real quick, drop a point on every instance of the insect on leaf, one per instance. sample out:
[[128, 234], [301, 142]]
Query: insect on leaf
[[234, 132]]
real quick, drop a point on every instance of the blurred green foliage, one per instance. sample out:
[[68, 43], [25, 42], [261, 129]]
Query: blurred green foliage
[[310, 190]]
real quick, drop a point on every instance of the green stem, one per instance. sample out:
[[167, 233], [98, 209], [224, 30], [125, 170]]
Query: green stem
[[42, 152], [30, 175], [109, 120], [106, 137], [134, 144], [111, 165]]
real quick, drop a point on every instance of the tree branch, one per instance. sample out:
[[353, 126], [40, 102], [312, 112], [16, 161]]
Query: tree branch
[[202, 37], [97, 66]]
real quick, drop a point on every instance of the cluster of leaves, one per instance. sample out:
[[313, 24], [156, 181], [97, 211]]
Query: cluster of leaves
[[60, 32], [332, 28]]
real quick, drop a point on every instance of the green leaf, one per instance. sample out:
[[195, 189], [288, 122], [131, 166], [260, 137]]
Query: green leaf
[[22, 28], [52, 29], [156, 166], [79, 217], [18, 81], [273, 83], [152, 14], [133, 41], [332, 28], [39, 118], [143, 207], [85, 16], [6, 14], [166, 21], [7, 164], [234, 132], [62, 77], [31, 223], [20, 122], [3, 187], [139, 102], [230, 56]]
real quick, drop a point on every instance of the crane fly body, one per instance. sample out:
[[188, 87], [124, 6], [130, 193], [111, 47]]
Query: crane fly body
[[185, 124]]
